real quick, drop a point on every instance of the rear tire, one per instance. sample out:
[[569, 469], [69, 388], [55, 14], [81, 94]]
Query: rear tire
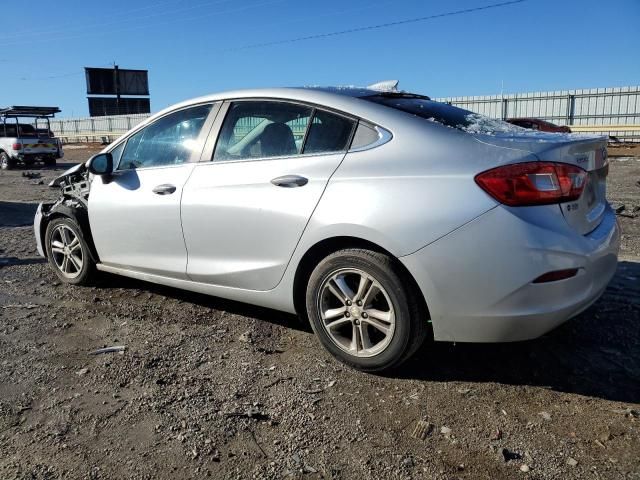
[[365, 310], [6, 162], [68, 252]]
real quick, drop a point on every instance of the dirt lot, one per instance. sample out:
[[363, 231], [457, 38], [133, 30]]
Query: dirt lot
[[213, 388]]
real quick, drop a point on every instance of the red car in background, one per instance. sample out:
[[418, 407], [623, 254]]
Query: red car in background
[[537, 124]]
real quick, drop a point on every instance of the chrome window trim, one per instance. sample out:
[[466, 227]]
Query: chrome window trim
[[158, 167], [317, 106], [266, 159]]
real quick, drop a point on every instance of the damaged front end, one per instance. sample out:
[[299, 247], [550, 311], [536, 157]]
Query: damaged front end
[[74, 185]]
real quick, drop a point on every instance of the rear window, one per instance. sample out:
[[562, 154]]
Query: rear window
[[443, 113]]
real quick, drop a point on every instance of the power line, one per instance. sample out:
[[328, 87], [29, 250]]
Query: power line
[[102, 23], [61, 75], [309, 37], [169, 22], [262, 27], [298, 20], [57, 29], [372, 27]]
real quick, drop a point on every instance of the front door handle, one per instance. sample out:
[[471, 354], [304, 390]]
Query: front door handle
[[290, 181], [164, 189]]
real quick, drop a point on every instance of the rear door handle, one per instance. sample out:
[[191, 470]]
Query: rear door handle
[[290, 181], [164, 189]]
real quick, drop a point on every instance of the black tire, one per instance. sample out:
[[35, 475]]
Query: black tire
[[75, 276], [6, 162], [411, 319]]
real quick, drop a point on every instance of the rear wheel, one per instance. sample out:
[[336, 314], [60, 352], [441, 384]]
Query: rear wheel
[[68, 252], [365, 310], [6, 162]]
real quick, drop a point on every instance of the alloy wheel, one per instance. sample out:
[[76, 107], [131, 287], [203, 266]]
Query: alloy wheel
[[66, 251], [356, 312]]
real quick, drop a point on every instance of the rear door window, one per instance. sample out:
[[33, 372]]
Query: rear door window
[[262, 129]]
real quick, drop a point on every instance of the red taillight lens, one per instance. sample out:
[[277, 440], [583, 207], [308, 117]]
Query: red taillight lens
[[533, 183], [16, 146]]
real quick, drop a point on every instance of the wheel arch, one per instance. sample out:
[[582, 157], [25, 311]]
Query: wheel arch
[[330, 245], [75, 211]]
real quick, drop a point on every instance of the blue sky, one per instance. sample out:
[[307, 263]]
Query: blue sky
[[190, 47]]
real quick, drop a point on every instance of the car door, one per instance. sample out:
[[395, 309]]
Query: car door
[[135, 213], [246, 207]]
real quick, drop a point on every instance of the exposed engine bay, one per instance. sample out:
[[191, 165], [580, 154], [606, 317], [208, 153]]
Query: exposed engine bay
[[75, 184]]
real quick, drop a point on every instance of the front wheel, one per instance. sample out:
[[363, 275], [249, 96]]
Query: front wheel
[[365, 310], [68, 252]]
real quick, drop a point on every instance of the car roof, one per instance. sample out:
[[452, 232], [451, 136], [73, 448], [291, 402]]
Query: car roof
[[346, 99]]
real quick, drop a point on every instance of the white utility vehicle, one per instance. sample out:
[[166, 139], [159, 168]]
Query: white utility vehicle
[[25, 142]]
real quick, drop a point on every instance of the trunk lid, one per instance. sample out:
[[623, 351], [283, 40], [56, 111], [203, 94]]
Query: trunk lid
[[587, 152]]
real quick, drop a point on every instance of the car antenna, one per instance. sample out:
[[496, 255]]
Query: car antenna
[[385, 86]]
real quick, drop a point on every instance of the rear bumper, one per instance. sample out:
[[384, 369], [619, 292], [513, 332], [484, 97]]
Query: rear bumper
[[477, 280], [37, 156]]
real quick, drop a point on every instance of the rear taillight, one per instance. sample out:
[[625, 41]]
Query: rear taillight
[[533, 183], [16, 146]]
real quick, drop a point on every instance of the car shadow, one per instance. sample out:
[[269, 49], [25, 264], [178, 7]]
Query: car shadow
[[17, 214], [40, 166], [13, 261], [596, 353], [276, 317]]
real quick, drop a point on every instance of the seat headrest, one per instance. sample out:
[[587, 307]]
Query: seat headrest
[[277, 139]]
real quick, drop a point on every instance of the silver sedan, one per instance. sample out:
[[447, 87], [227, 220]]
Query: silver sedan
[[382, 217]]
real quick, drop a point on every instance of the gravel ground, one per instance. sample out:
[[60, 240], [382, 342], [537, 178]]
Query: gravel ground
[[208, 387]]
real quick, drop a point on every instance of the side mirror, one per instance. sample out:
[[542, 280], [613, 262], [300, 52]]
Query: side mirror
[[100, 164]]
